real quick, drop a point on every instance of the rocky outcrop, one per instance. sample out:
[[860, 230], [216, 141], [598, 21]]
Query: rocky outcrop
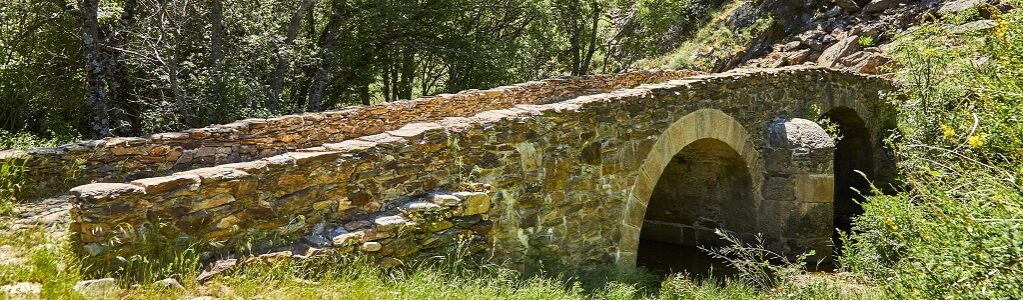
[[850, 34]]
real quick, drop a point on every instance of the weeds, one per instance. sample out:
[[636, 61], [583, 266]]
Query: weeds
[[956, 231], [12, 183], [757, 266]]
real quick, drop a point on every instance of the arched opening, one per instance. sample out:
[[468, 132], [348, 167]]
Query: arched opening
[[704, 187], [853, 152]]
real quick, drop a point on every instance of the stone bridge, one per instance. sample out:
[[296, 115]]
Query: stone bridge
[[582, 180]]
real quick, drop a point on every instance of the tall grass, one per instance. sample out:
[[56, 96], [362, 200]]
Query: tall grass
[[12, 183]]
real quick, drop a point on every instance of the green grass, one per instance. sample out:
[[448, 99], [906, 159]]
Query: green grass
[[12, 183], [44, 256]]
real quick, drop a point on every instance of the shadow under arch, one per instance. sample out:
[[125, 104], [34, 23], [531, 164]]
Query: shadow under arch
[[707, 129], [854, 154]]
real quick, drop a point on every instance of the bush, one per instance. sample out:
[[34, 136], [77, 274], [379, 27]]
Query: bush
[[957, 229]]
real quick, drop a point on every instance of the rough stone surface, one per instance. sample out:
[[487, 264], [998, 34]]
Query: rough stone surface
[[798, 133], [119, 159], [99, 288], [954, 7], [876, 6], [561, 182], [22, 290], [848, 5], [169, 283], [831, 56], [217, 268]]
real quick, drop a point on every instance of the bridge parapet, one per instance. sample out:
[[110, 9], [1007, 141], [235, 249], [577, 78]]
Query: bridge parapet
[[120, 159]]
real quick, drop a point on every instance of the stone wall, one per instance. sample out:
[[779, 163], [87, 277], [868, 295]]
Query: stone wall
[[119, 159], [565, 179]]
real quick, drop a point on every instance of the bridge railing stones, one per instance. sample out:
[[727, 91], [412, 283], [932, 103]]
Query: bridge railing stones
[[126, 158], [559, 173]]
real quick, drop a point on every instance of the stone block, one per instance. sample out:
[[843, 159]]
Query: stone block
[[389, 223], [101, 192], [814, 188], [157, 185], [446, 200], [474, 203], [211, 202], [421, 207]]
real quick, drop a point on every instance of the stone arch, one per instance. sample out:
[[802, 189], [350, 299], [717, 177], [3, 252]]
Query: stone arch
[[703, 124], [855, 151]]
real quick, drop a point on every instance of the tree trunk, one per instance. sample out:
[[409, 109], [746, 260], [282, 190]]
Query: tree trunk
[[408, 70], [595, 18], [575, 36], [327, 48], [96, 97], [364, 94], [216, 65], [116, 74], [173, 69], [281, 67]]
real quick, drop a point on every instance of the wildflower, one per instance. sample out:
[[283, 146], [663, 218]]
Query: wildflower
[[976, 141], [1001, 27], [947, 132], [929, 52]]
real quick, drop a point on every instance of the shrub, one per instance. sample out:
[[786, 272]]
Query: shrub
[[957, 229]]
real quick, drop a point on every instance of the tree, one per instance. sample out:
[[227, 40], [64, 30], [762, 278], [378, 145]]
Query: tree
[[96, 97]]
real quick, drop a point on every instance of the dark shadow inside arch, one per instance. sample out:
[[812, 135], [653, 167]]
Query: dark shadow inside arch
[[853, 152], [704, 187]]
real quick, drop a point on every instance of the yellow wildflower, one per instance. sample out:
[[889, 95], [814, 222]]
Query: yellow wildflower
[[929, 52], [976, 141], [947, 132], [1001, 27]]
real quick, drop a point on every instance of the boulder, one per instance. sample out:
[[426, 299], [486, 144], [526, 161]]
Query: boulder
[[865, 62], [218, 268], [97, 288], [876, 6], [798, 57], [833, 12], [22, 290], [848, 5], [169, 283], [955, 7], [831, 56], [974, 26], [791, 46]]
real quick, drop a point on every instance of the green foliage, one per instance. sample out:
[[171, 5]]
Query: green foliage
[[866, 41], [157, 258], [712, 45], [956, 231], [169, 65], [41, 257], [12, 183], [26, 140]]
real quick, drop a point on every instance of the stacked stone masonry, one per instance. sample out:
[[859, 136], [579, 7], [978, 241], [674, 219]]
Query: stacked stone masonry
[[567, 182], [119, 159]]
